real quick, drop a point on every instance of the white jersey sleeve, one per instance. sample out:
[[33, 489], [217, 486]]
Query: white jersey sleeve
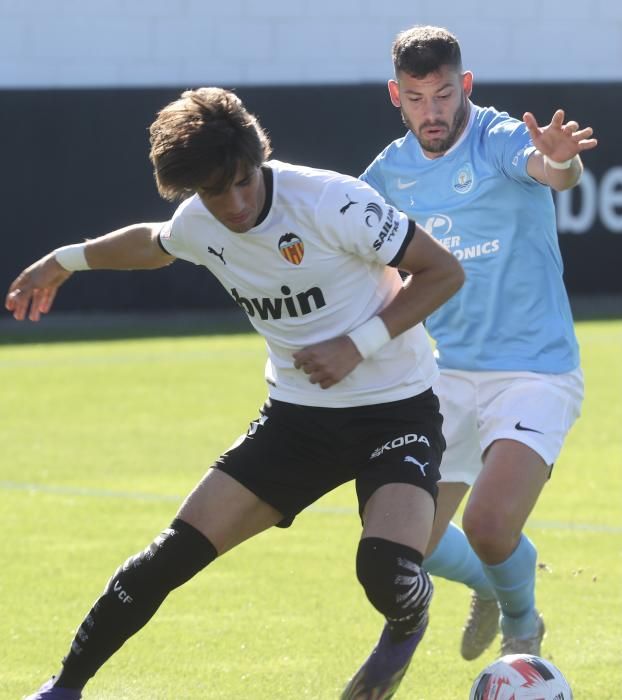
[[174, 236], [355, 216]]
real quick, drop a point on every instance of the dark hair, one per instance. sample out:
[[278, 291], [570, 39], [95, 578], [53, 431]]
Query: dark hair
[[420, 51], [204, 136]]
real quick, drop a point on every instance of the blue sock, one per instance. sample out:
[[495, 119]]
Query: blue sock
[[454, 559], [514, 581]]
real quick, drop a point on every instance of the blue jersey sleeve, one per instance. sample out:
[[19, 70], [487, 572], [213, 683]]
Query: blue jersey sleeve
[[373, 177], [509, 146]]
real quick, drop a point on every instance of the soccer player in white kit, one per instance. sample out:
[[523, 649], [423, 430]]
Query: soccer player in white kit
[[312, 257], [510, 386]]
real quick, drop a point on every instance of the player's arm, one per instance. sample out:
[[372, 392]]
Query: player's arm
[[436, 276], [134, 247], [557, 162]]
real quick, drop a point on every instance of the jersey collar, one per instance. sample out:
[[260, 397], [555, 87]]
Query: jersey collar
[[268, 178]]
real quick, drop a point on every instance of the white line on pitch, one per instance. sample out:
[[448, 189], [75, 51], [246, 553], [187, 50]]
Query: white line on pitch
[[316, 508]]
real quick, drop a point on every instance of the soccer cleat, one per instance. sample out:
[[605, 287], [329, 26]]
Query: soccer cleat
[[528, 645], [380, 676], [49, 692], [480, 628]]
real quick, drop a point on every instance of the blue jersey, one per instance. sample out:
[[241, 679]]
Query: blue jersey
[[512, 314]]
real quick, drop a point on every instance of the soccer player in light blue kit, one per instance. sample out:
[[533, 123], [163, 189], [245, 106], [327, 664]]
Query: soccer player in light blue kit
[[511, 386]]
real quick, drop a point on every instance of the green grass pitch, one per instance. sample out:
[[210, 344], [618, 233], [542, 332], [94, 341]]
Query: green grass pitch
[[101, 440]]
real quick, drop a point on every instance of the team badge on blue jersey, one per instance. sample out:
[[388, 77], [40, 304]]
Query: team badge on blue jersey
[[463, 180], [292, 248]]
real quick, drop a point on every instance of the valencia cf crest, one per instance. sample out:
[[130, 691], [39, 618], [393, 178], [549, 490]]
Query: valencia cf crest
[[292, 248]]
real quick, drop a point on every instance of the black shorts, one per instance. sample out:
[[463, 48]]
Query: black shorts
[[292, 455]]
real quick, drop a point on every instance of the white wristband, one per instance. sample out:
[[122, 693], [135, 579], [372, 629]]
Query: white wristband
[[556, 165], [72, 257], [370, 336]]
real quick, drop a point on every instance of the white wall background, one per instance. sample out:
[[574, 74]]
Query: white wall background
[[97, 43]]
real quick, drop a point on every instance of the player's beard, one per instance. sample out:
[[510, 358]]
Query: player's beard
[[453, 132]]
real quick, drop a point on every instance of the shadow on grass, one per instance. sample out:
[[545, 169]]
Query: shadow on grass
[[57, 328]]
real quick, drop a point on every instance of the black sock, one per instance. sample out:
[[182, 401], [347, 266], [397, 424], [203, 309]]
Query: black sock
[[132, 596]]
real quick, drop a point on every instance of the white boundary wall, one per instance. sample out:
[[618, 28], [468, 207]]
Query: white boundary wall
[[105, 43]]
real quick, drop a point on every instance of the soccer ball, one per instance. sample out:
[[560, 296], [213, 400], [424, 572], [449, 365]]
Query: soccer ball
[[521, 677]]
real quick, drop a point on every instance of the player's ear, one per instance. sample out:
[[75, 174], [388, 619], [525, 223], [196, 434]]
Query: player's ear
[[394, 93], [467, 82]]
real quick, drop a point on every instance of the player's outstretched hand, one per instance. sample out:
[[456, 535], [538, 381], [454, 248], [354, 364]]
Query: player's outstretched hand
[[33, 291], [557, 140], [328, 362]]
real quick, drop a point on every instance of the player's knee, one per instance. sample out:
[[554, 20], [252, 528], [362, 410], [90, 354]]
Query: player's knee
[[394, 582], [174, 557], [490, 534]]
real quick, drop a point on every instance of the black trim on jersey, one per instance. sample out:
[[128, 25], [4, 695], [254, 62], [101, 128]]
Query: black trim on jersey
[[162, 244], [412, 227], [268, 178]]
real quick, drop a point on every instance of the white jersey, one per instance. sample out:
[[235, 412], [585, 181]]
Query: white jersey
[[315, 268]]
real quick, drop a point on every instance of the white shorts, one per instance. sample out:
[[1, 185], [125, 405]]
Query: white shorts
[[481, 407]]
